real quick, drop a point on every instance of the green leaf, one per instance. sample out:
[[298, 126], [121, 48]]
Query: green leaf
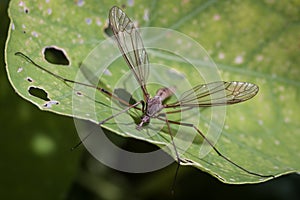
[[249, 41]]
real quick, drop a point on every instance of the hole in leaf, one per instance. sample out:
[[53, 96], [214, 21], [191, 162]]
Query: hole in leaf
[[39, 93], [108, 31], [79, 93], [55, 56], [50, 103], [29, 79]]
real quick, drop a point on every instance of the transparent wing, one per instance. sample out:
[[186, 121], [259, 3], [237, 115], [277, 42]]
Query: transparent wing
[[131, 45], [216, 94]]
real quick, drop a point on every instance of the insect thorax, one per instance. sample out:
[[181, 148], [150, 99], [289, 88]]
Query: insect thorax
[[154, 106]]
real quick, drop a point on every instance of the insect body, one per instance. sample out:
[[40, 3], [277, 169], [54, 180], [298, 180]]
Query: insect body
[[154, 105]]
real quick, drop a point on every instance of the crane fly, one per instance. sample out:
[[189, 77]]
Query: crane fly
[[136, 57]]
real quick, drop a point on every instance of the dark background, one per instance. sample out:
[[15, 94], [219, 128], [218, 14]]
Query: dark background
[[59, 173]]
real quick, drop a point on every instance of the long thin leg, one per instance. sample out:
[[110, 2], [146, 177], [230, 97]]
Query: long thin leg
[[215, 149], [65, 80], [176, 153], [105, 120], [172, 139]]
